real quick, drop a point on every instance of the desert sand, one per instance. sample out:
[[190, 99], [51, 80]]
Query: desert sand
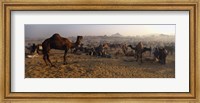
[[86, 66]]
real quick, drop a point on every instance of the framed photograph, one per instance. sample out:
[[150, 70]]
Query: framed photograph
[[99, 50]]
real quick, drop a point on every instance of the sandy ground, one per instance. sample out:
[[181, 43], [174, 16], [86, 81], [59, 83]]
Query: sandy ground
[[85, 66]]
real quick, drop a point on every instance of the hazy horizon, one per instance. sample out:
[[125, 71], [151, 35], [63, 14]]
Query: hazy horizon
[[66, 30]]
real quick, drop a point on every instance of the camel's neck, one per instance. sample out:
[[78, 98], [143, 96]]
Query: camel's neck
[[146, 49], [132, 47], [76, 44]]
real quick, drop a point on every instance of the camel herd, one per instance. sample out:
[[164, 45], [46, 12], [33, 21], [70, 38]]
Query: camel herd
[[61, 43]]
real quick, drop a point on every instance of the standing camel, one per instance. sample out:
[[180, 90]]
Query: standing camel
[[144, 49], [124, 48], [139, 49], [134, 48], [60, 43], [160, 54]]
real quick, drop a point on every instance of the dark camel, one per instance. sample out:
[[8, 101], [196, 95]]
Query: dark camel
[[147, 49], [60, 43], [170, 49], [139, 50], [143, 50], [160, 54]]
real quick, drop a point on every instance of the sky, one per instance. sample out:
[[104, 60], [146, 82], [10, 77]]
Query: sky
[[66, 30]]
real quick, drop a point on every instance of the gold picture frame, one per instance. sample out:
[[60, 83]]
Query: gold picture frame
[[158, 5]]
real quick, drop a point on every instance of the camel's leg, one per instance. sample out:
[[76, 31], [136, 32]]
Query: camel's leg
[[150, 54], [71, 50], [164, 61], [44, 58], [141, 57], [137, 57], [75, 50], [65, 56], [49, 60]]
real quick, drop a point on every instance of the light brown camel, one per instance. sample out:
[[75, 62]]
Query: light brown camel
[[124, 49], [143, 50], [60, 43], [139, 50]]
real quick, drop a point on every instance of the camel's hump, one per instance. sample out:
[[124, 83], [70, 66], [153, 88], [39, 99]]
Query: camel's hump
[[139, 45], [55, 36]]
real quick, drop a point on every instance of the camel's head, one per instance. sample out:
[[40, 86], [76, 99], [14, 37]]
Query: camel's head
[[79, 38]]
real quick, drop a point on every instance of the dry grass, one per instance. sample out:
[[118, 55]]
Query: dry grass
[[84, 66]]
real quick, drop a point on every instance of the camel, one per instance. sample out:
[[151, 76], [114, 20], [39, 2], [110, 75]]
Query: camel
[[156, 54], [163, 55], [139, 49], [90, 51], [118, 53], [114, 46], [31, 51], [31, 48], [60, 43], [146, 49], [106, 46], [124, 49], [170, 49], [99, 50], [160, 54]]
